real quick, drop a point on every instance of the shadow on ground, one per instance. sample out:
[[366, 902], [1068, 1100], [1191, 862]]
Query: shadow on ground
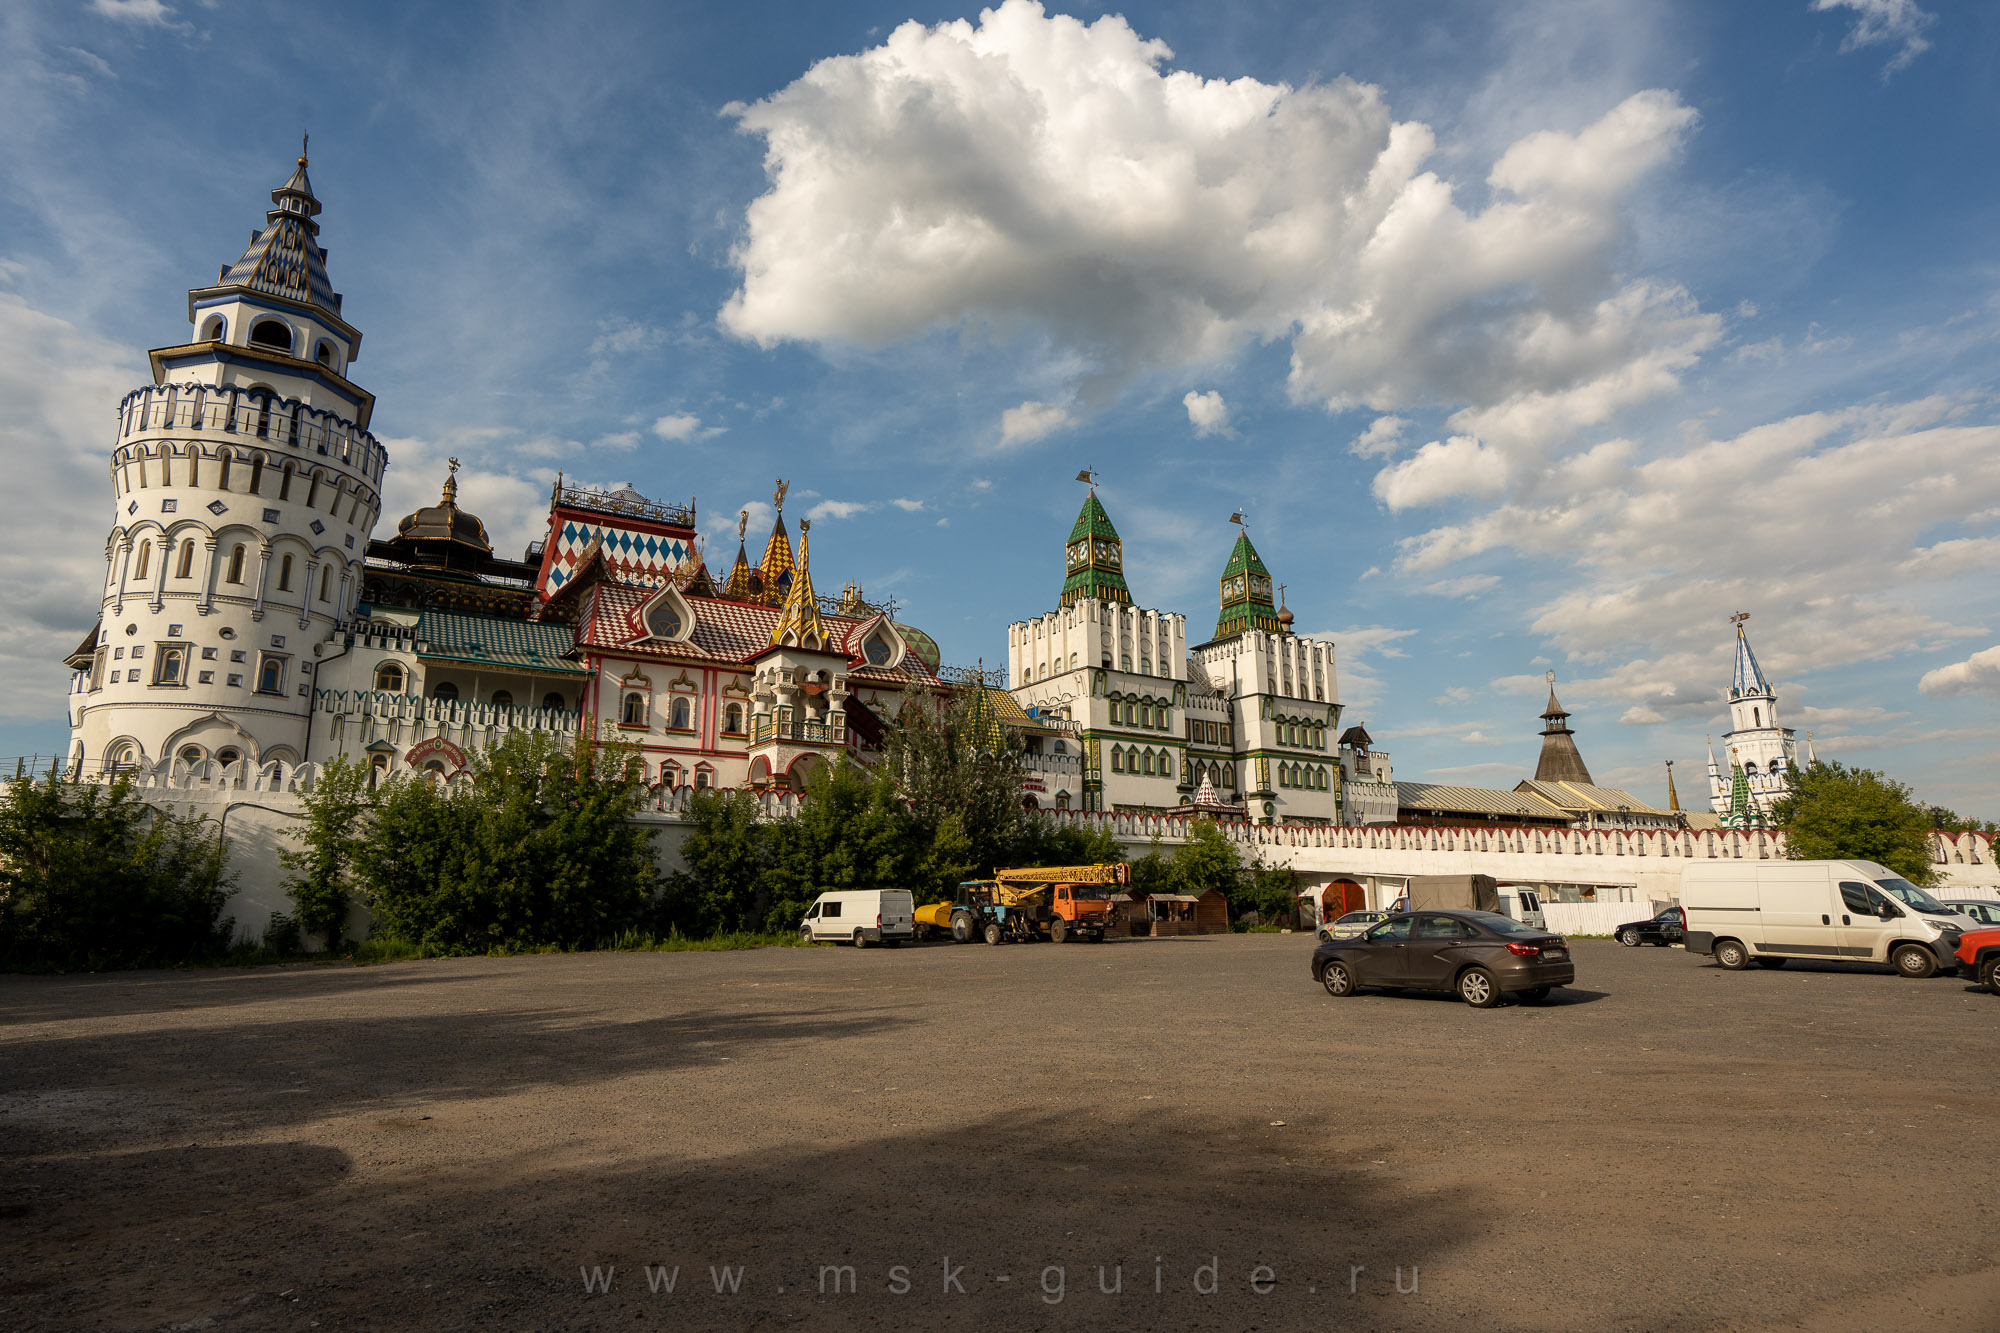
[[1193, 1223]]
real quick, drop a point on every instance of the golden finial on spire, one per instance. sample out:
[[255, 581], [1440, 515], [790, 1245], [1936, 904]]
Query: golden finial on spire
[[778, 496], [451, 481], [742, 523], [305, 141]]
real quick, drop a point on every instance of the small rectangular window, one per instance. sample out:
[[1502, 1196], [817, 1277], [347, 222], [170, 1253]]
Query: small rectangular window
[[829, 909]]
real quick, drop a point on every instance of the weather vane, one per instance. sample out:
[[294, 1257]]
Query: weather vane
[[1738, 619], [778, 496], [1550, 676], [1088, 477], [742, 523]]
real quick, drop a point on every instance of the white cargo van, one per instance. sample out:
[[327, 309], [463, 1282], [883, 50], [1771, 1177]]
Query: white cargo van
[[862, 917], [1524, 905], [1765, 912]]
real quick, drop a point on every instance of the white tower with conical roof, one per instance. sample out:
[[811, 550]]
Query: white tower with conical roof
[[246, 483], [1754, 743]]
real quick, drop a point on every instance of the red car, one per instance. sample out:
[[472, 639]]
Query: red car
[[1979, 957]]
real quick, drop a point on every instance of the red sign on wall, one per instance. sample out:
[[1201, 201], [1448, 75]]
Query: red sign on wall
[[437, 747]]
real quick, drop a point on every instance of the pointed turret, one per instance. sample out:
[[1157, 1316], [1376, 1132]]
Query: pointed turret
[[1673, 797], [1560, 761], [1246, 592], [774, 571], [1094, 557], [800, 626], [1749, 679], [285, 258]]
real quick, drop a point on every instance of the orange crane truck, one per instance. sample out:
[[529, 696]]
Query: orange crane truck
[[1037, 903]]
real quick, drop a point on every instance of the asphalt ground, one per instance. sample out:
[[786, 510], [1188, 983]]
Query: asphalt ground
[[989, 1137]]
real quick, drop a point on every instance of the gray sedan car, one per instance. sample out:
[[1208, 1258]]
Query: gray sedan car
[[1983, 910], [1480, 955]]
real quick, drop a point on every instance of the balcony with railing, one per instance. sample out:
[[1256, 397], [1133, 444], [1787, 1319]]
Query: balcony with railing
[[792, 732], [361, 716], [230, 411]]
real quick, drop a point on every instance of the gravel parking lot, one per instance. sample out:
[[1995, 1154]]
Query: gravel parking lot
[[987, 1138]]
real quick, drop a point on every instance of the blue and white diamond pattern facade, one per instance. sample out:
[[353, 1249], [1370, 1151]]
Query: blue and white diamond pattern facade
[[639, 557]]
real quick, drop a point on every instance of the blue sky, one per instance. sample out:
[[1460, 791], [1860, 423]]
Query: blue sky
[[1529, 337]]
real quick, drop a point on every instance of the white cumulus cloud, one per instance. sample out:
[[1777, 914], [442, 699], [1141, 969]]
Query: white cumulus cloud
[[1383, 437], [1031, 421], [1977, 674], [838, 509], [1440, 470], [684, 426], [1031, 174], [1207, 412]]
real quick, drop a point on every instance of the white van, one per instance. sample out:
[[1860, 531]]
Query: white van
[[1765, 912], [862, 917], [1524, 905]]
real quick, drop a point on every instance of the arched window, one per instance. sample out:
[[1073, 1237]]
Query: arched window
[[389, 678], [1124, 661], [662, 620], [285, 483], [325, 581], [324, 354], [190, 754], [670, 774], [632, 713], [732, 718], [679, 715], [1072, 663], [228, 755], [271, 676], [256, 473], [704, 777], [553, 702], [444, 690], [1027, 674], [187, 559], [221, 481], [378, 770], [1117, 760], [503, 699], [212, 331], [271, 333], [1774, 768], [236, 565], [1062, 800], [1756, 717], [285, 574], [1146, 761], [145, 560]]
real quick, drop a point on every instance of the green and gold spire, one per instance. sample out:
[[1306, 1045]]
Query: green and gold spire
[[1246, 592], [1094, 558]]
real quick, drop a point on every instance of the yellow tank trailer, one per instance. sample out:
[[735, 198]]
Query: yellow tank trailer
[[1036, 903]]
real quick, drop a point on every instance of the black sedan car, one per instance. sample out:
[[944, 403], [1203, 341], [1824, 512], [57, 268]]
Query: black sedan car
[[1669, 927], [1481, 955]]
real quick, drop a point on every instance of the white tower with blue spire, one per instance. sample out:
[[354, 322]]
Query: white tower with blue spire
[[1755, 745], [245, 484]]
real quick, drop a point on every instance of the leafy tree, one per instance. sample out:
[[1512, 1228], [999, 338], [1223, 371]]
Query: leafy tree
[[951, 761], [1207, 860], [321, 883], [540, 848], [1271, 891], [1044, 842], [729, 856], [92, 876], [850, 833], [1950, 821], [1834, 812]]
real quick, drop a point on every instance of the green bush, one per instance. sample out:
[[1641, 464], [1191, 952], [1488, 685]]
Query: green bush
[[92, 877], [539, 850]]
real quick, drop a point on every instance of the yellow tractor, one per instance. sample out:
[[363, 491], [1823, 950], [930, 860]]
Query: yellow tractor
[[1038, 903]]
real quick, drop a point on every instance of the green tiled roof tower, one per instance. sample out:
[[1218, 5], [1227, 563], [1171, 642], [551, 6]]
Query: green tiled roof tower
[[1095, 558], [1246, 593]]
